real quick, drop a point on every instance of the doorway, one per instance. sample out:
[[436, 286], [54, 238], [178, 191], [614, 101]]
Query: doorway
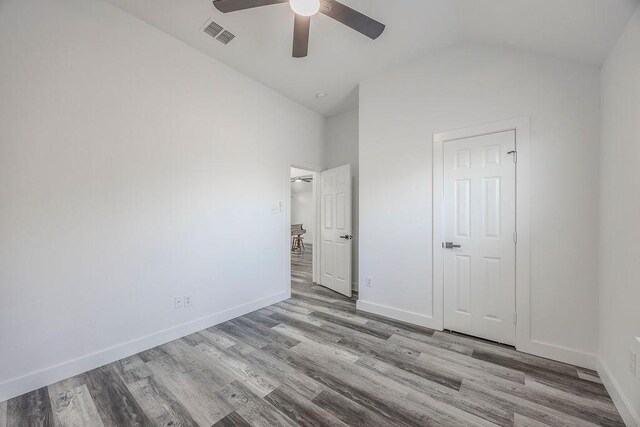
[[303, 226], [320, 228]]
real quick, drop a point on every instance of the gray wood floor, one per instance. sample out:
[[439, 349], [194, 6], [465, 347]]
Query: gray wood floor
[[314, 360]]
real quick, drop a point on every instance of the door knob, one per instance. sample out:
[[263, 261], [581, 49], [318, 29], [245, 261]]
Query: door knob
[[450, 245], [347, 237]]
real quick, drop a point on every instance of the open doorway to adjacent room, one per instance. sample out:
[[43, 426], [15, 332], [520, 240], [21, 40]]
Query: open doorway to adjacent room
[[320, 244], [303, 221]]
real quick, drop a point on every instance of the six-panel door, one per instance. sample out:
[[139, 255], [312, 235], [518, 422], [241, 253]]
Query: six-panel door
[[480, 215], [335, 220]]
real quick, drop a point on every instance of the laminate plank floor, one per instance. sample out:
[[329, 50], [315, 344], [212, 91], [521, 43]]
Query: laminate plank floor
[[315, 360]]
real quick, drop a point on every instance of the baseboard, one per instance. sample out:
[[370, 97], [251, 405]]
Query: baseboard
[[51, 375], [558, 353], [623, 404], [396, 313]]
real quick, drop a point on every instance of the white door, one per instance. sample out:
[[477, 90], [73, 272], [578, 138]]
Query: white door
[[335, 220], [479, 230]]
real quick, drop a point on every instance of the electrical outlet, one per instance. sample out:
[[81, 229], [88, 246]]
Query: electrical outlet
[[178, 302], [632, 362], [188, 301], [368, 282]]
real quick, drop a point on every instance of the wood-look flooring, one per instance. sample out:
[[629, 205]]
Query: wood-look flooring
[[315, 360]]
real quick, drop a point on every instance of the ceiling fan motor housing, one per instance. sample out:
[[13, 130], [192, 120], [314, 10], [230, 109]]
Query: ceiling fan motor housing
[[305, 7]]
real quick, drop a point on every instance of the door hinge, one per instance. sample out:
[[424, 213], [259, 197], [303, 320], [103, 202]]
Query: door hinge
[[515, 318], [515, 156], [515, 237]]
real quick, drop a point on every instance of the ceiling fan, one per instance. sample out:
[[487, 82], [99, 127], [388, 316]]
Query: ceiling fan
[[304, 10], [306, 179]]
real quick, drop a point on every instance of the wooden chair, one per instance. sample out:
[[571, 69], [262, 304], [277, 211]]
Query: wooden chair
[[297, 238]]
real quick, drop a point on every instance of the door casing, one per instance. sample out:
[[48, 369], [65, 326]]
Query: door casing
[[521, 126]]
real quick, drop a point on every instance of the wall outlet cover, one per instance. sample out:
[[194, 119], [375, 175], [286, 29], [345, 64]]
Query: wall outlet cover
[[632, 362], [368, 282], [178, 302], [188, 301]]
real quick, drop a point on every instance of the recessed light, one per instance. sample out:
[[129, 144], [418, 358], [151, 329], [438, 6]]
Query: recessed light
[[321, 95]]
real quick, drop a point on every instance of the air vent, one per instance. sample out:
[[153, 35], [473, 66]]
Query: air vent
[[213, 29], [225, 37]]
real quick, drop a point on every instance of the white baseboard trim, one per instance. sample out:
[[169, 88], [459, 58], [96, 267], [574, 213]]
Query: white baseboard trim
[[24, 384], [396, 313], [623, 404], [537, 348], [558, 353]]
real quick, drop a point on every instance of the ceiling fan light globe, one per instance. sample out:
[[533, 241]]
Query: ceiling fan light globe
[[305, 7]]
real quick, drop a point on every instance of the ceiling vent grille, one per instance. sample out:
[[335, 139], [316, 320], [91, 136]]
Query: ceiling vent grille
[[213, 29], [225, 37]]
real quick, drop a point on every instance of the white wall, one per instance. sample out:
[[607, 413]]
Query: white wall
[[303, 208], [118, 147], [460, 87], [341, 148], [619, 214]]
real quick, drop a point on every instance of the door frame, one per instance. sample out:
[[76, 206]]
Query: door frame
[[521, 126], [315, 226]]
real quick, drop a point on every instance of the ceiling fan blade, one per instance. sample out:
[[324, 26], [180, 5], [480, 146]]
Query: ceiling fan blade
[[226, 6], [301, 36], [352, 18]]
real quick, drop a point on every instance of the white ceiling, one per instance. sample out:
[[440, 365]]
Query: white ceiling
[[295, 172], [579, 30], [339, 58]]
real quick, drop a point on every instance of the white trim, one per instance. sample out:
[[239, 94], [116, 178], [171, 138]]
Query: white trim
[[395, 313], [17, 386], [317, 247], [437, 285], [622, 402], [559, 353], [287, 230], [521, 125]]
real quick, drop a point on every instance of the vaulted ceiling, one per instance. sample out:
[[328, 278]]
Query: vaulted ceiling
[[339, 58]]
